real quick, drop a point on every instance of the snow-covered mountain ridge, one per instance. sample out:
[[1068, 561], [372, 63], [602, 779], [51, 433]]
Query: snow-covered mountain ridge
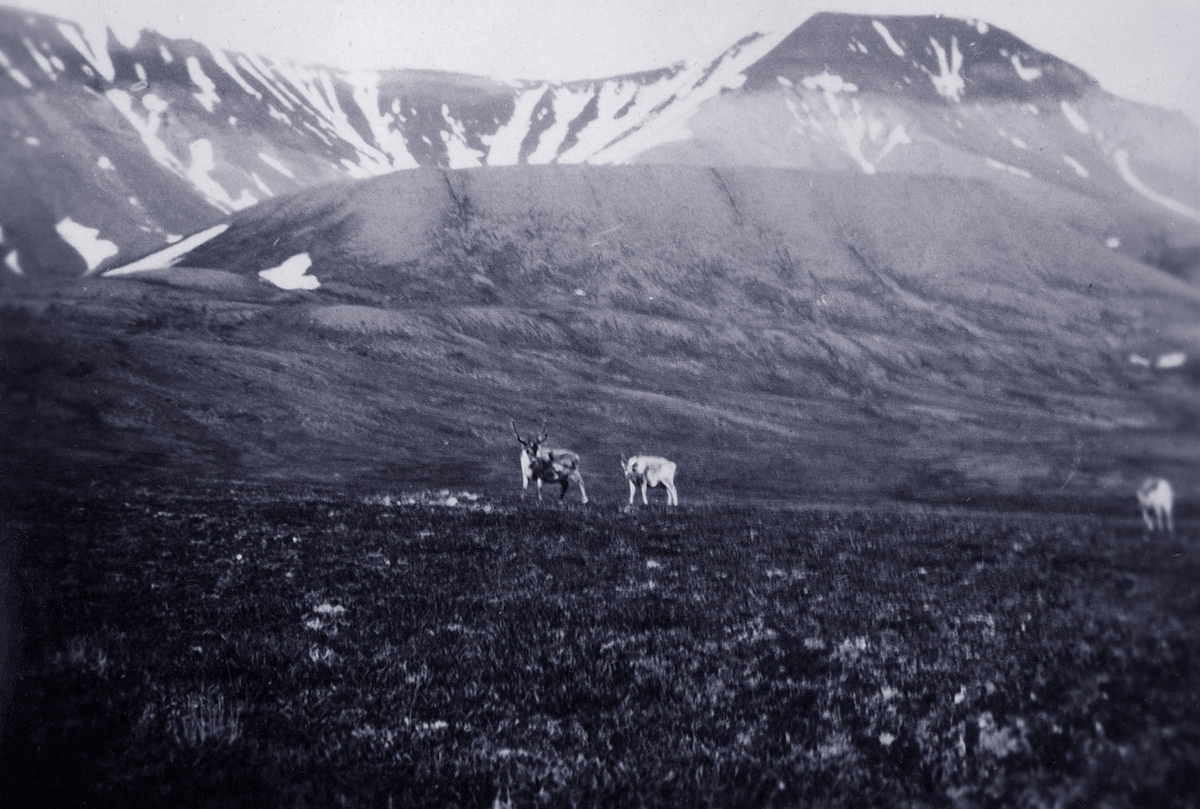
[[112, 151]]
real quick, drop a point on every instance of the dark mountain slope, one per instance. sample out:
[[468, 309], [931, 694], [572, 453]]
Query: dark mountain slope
[[795, 335]]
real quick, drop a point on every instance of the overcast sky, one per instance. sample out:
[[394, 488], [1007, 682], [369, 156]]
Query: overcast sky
[[1147, 51]]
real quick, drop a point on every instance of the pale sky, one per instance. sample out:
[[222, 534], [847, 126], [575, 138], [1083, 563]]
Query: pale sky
[[1148, 51]]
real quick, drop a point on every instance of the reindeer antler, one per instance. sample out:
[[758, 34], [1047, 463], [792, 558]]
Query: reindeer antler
[[545, 433], [517, 434]]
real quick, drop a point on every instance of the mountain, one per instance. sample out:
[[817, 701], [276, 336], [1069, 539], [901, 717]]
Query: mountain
[[783, 334], [113, 151], [875, 259]]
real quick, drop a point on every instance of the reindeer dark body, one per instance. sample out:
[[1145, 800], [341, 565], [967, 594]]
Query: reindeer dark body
[[544, 465]]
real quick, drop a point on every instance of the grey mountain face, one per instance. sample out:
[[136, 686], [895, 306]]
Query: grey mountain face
[[112, 152]]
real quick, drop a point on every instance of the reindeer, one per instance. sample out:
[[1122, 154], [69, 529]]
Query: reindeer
[[559, 466], [650, 471], [1155, 495]]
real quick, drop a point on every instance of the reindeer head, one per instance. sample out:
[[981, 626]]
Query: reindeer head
[[531, 446]]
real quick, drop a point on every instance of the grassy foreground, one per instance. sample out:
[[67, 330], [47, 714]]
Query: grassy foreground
[[246, 650]]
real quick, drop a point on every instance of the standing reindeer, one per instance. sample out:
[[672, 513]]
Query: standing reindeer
[[559, 466], [1155, 496], [650, 471]]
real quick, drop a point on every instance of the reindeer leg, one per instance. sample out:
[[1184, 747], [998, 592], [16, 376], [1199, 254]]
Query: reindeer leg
[[672, 497], [565, 483], [645, 501], [582, 491]]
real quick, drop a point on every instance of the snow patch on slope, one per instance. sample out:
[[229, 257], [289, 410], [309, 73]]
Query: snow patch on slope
[[683, 94], [200, 175], [1121, 156], [1025, 73], [459, 154], [949, 82], [365, 90], [207, 96], [86, 242], [40, 59], [996, 164], [169, 255], [291, 274], [223, 62], [1080, 169], [316, 88], [567, 107], [19, 77], [1074, 117], [892, 44], [13, 263], [275, 164], [1173, 360], [92, 46], [505, 148]]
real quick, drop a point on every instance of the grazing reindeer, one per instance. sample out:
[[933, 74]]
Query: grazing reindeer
[[650, 471], [559, 466], [1155, 495]]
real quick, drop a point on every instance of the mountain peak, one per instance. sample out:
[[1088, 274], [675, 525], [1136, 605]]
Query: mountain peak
[[926, 58]]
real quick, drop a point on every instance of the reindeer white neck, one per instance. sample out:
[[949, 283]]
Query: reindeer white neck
[[539, 464]]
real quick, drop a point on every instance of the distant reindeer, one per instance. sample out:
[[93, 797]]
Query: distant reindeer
[[1155, 495], [559, 466], [649, 471]]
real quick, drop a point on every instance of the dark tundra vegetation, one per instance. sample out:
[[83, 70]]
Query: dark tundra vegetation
[[243, 648]]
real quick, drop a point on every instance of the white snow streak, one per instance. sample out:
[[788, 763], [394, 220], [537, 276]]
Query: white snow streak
[[13, 263], [261, 185], [168, 256], [1173, 360], [207, 96], [317, 90], [253, 70], [86, 242], [459, 154], [1080, 169], [223, 62], [1112, 242], [505, 149], [199, 174], [606, 128], [19, 77], [1025, 73], [365, 90], [166, 54], [852, 126], [94, 49], [275, 164], [996, 164], [105, 163], [1121, 156], [892, 44], [1074, 117], [949, 82], [40, 58], [147, 129], [291, 274], [567, 106], [691, 89]]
